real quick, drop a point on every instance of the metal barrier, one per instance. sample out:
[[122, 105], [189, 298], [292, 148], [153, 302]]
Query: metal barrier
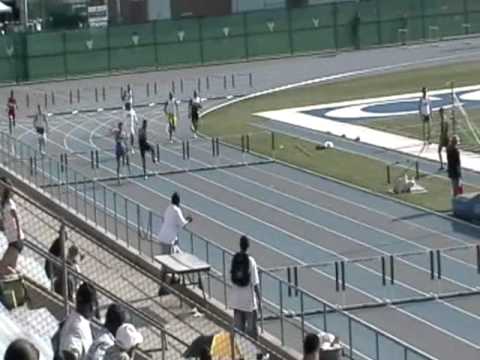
[[130, 222]]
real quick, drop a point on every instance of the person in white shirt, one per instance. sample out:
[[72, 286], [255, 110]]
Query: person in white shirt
[[12, 230], [116, 316], [171, 111], [245, 294], [75, 333], [425, 111], [127, 97], [40, 125], [173, 221], [132, 128]]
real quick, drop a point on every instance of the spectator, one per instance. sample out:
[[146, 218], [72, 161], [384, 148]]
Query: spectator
[[73, 260], [311, 347], [55, 250], [443, 141], [245, 297], [76, 333], [173, 221], [21, 349], [454, 166], [127, 341], [425, 111], [116, 316], [12, 230]]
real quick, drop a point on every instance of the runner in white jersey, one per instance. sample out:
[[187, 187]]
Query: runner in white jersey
[[425, 111], [132, 128], [40, 125], [127, 97]]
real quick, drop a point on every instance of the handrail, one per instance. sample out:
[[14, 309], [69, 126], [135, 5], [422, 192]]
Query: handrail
[[151, 236]]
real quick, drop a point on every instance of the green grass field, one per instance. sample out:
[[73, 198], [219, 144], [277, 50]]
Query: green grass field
[[355, 169]]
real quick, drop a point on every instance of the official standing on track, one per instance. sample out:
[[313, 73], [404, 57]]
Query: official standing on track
[[454, 166]]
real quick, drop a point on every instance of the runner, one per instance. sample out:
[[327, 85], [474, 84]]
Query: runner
[[145, 146], [171, 109], [444, 138], [425, 111], [133, 122], [127, 98], [12, 109], [40, 125], [121, 148], [195, 105]]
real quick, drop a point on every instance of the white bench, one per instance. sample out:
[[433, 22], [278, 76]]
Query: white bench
[[186, 266]]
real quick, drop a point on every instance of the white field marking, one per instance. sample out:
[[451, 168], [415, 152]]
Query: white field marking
[[326, 250], [379, 138], [324, 209], [295, 259], [436, 327], [268, 246]]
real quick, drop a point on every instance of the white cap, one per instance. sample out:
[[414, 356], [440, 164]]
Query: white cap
[[128, 337]]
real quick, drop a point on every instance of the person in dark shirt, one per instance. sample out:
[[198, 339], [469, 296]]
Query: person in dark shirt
[[195, 106], [454, 166], [145, 146], [443, 141]]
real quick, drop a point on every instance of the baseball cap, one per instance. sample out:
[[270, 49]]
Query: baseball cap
[[128, 337]]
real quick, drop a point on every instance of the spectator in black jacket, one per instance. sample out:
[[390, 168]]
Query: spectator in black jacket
[[454, 165]]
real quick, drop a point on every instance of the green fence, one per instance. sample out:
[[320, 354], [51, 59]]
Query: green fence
[[267, 33]]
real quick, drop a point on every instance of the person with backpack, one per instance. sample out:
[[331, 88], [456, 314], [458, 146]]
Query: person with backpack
[[245, 294], [116, 317]]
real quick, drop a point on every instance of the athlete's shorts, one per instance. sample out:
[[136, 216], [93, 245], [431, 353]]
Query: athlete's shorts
[[172, 122], [119, 150], [195, 119], [11, 114], [426, 118], [443, 143], [40, 131], [128, 106], [144, 147]]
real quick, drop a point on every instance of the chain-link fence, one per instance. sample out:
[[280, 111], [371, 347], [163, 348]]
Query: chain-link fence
[[267, 33], [169, 324]]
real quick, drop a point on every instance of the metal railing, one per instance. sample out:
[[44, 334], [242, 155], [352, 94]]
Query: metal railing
[[131, 223]]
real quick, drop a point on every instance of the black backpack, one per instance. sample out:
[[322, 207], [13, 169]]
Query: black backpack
[[240, 271]]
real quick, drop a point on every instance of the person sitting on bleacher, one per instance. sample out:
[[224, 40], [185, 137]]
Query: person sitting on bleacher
[[75, 336], [311, 347], [127, 340], [12, 230], [116, 317], [21, 349]]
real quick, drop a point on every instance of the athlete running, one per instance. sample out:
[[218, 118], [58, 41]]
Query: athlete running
[[11, 109], [133, 124], [127, 98], [171, 109], [145, 146], [195, 105], [121, 148], [40, 125]]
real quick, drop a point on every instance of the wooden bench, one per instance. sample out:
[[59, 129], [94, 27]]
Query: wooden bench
[[186, 266]]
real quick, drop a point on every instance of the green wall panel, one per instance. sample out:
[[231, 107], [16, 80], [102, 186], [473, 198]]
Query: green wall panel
[[179, 54], [451, 25], [78, 40], [392, 9], [390, 33], [168, 30], [46, 66], [213, 28], [232, 48], [122, 36], [313, 40], [268, 44], [45, 43], [369, 34], [7, 70], [87, 62], [131, 58], [258, 22], [474, 20], [473, 5], [368, 11], [346, 13], [345, 37], [306, 18], [443, 7], [415, 29]]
